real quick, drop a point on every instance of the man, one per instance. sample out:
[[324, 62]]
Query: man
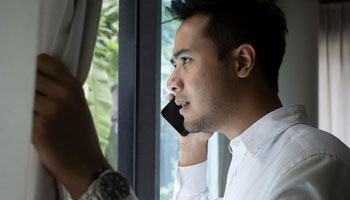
[[226, 57]]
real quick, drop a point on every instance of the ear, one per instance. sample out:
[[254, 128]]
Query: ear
[[244, 57]]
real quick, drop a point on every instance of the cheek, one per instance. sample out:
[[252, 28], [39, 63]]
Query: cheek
[[202, 82], [202, 93], [198, 85]]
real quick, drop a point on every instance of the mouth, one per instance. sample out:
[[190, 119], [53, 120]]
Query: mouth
[[184, 105]]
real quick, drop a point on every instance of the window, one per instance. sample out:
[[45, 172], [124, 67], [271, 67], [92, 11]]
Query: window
[[101, 86], [169, 147], [139, 95]]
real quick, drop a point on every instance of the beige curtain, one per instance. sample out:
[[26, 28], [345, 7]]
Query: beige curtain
[[334, 69], [67, 31]]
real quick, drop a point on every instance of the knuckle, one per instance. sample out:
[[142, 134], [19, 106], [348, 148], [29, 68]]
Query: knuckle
[[54, 108], [64, 94]]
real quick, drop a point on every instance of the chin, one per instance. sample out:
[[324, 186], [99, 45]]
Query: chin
[[188, 126], [200, 124], [192, 127]]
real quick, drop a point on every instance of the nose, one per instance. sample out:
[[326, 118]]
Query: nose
[[175, 82]]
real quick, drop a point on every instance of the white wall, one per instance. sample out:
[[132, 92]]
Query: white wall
[[299, 71], [18, 26]]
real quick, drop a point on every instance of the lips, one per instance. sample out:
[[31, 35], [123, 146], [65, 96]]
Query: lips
[[181, 103]]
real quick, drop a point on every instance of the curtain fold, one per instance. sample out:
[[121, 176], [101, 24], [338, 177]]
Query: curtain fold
[[67, 31], [334, 69]]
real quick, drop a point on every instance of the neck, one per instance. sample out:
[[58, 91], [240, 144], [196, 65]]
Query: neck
[[250, 109]]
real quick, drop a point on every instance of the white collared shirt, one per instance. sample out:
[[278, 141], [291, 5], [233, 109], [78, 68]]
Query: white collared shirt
[[278, 157]]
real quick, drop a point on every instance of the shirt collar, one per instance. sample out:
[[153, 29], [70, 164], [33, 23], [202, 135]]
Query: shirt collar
[[269, 127], [235, 144]]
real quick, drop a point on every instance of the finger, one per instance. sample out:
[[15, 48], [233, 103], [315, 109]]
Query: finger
[[170, 96], [53, 68], [181, 136], [37, 124], [38, 130], [43, 106], [49, 88]]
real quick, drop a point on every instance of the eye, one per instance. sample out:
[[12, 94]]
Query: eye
[[185, 60]]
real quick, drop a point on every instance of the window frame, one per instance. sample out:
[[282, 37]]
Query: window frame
[[139, 95]]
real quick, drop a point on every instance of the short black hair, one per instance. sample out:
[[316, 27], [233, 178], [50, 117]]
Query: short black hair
[[260, 23]]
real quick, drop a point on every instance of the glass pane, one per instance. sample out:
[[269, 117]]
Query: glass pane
[[101, 86], [169, 147]]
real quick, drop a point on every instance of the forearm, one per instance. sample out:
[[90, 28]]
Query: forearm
[[78, 183]]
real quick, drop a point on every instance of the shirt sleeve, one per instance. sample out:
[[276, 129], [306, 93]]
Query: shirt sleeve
[[191, 182], [318, 177]]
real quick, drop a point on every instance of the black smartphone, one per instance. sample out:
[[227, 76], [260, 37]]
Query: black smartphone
[[171, 113]]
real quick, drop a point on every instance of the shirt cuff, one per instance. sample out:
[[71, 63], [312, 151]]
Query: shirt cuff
[[190, 180]]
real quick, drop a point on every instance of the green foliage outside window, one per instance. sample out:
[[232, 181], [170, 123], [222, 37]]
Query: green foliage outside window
[[102, 80], [101, 89]]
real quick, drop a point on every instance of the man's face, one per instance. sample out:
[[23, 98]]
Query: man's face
[[202, 83]]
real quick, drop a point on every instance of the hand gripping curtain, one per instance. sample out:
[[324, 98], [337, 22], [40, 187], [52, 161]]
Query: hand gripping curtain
[[67, 31]]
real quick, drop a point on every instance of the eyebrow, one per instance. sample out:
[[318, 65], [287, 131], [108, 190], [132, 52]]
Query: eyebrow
[[178, 54]]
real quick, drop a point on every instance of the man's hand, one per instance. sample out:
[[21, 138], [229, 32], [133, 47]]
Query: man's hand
[[193, 147], [63, 130]]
